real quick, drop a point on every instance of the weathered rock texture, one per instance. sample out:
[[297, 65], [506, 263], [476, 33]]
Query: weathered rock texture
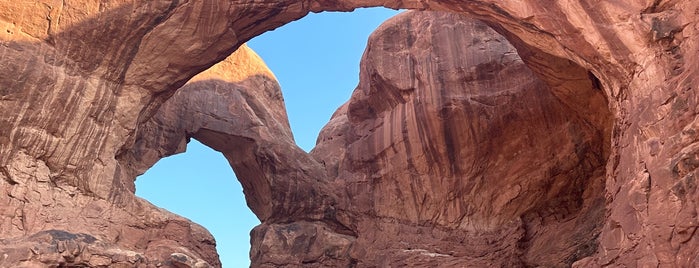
[[47, 222], [448, 129], [524, 165]]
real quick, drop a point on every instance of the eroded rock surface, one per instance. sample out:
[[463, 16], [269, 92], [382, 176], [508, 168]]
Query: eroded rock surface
[[236, 107], [450, 130], [81, 79], [50, 223]]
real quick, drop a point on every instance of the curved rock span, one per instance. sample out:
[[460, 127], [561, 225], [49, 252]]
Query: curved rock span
[[551, 134]]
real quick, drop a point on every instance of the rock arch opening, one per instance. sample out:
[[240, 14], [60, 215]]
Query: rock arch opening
[[451, 126], [81, 87], [317, 66], [200, 185], [208, 107]]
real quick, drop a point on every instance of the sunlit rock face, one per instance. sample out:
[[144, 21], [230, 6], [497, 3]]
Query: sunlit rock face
[[235, 107], [601, 173]]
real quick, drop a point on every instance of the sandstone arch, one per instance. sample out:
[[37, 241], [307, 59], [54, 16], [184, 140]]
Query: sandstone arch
[[643, 72]]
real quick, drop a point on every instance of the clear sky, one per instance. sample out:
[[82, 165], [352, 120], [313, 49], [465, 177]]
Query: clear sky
[[316, 61]]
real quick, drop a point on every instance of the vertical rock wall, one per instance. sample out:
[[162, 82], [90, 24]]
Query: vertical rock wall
[[450, 130]]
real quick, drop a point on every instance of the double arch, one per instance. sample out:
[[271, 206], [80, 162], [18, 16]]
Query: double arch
[[632, 52]]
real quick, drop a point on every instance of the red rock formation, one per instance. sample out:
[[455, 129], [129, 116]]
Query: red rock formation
[[49, 223], [81, 77], [448, 129]]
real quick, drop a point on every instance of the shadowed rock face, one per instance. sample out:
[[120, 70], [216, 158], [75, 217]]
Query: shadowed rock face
[[70, 228], [449, 129], [83, 82]]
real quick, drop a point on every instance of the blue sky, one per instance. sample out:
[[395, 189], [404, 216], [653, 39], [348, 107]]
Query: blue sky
[[316, 61]]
